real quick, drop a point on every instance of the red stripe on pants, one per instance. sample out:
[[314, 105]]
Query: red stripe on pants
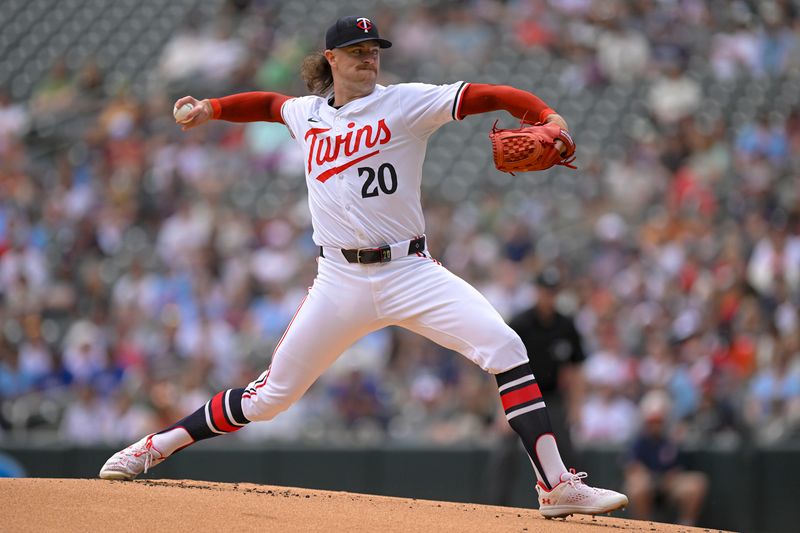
[[525, 394], [219, 416], [275, 351]]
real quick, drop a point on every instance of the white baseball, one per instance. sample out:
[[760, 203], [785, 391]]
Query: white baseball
[[180, 113]]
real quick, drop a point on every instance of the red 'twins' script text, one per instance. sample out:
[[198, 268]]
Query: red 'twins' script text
[[327, 149]]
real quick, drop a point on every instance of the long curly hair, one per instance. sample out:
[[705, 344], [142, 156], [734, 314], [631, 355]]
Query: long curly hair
[[316, 72]]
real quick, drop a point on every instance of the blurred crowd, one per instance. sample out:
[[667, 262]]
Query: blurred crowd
[[142, 269]]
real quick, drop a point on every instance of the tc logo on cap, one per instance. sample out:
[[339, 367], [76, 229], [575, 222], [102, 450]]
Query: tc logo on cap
[[364, 23], [351, 30]]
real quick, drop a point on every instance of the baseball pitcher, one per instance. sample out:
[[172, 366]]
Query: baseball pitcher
[[364, 147]]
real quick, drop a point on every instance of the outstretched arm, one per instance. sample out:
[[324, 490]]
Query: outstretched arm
[[242, 107], [482, 98]]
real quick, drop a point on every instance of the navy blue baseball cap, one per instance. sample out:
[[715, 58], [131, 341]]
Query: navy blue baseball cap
[[352, 30]]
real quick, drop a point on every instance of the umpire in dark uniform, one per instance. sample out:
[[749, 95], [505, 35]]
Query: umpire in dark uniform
[[556, 354]]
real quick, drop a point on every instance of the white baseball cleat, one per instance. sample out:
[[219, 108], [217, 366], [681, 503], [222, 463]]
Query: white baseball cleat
[[128, 463], [574, 496]]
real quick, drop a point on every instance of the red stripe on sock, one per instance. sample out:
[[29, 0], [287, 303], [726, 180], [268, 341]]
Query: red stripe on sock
[[218, 415], [525, 394]]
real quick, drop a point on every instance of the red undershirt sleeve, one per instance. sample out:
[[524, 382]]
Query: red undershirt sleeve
[[482, 98], [249, 107]]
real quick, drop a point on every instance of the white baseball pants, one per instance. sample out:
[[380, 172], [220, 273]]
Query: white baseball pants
[[348, 301]]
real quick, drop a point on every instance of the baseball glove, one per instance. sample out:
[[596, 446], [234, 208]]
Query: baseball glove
[[531, 148]]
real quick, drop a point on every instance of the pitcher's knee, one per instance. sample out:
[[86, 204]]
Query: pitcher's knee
[[263, 407], [509, 353]]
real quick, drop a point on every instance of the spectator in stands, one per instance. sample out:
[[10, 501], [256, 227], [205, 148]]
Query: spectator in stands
[[776, 256], [735, 50], [14, 120], [91, 86], [773, 399], [358, 399], [764, 138], [623, 53], [716, 422], [608, 417], [126, 418], [674, 95], [15, 380], [35, 357], [86, 419], [776, 39], [655, 469], [179, 58], [24, 273], [55, 94], [84, 351]]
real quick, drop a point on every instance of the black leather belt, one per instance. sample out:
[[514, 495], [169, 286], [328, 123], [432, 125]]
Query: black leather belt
[[382, 254]]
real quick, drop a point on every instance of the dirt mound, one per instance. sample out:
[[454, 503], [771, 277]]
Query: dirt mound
[[167, 505]]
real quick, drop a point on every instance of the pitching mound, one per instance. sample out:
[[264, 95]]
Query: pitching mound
[[167, 505]]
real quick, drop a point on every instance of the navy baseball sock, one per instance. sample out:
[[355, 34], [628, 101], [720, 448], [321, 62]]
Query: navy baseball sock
[[526, 413], [220, 415]]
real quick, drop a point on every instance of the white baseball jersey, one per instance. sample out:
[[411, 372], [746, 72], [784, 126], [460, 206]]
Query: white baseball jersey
[[363, 161]]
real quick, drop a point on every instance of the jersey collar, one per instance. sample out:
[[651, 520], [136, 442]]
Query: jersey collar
[[354, 103]]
